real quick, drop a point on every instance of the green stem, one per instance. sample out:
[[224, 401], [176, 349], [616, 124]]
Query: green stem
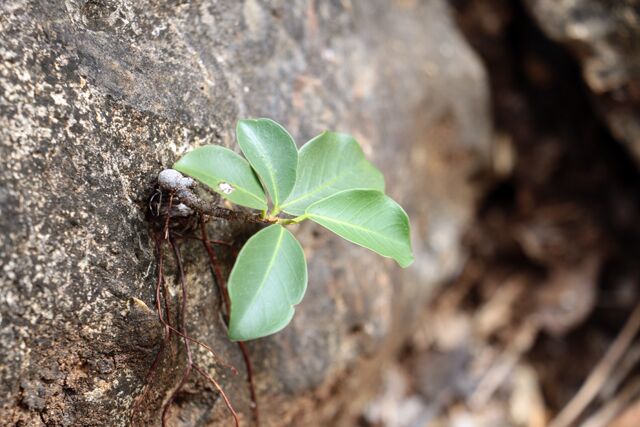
[[287, 221], [276, 210]]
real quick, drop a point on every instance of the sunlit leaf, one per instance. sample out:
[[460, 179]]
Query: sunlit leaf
[[329, 163], [267, 280], [226, 173], [367, 218], [272, 153]]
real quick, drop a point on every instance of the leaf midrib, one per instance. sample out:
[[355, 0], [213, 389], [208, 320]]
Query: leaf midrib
[[316, 190], [265, 158], [268, 269], [358, 227]]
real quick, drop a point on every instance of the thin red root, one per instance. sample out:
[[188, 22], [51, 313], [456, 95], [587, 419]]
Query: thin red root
[[222, 393], [222, 286], [183, 313]]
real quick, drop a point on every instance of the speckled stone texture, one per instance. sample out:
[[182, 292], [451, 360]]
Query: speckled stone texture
[[98, 96], [605, 38]]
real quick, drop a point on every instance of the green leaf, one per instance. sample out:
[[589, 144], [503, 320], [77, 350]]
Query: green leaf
[[226, 173], [329, 163], [367, 218], [267, 280], [272, 153]]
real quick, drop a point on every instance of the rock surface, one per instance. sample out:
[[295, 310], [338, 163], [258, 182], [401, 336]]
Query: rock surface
[[98, 96], [604, 37]]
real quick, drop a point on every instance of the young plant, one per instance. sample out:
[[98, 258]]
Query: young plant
[[328, 181]]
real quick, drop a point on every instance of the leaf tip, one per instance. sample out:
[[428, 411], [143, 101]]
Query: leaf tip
[[406, 262]]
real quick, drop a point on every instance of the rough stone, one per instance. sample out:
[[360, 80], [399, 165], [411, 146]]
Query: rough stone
[[98, 96], [604, 38]]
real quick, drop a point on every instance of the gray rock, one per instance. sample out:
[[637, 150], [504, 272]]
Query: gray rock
[[604, 36], [98, 96]]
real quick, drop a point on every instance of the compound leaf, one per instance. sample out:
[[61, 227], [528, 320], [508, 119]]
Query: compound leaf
[[272, 153], [368, 218], [330, 163], [226, 173], [267, 280]]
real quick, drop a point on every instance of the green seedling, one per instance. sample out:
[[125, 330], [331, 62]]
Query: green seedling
[[328, 181]]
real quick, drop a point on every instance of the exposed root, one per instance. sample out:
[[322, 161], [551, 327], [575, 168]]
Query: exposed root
[[213, 259], [161, 216], [160, 285], [183, 330], [252, 388], [222, 393], [224, 292]]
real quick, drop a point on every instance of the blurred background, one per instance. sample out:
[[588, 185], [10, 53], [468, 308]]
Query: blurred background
[[509, 130], [539, 326]]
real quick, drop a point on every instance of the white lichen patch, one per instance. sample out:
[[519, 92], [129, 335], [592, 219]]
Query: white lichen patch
[[226, 188], [100, 390]]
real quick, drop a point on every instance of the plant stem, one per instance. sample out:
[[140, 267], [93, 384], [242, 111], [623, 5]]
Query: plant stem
[[287, 221], [231, 215], [182, 189], [276, 210]]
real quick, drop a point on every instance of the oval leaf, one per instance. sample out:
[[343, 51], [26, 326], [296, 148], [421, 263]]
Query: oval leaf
[[367, 218], [267, 280], [226, 173], [272, 153], [329, 163]]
